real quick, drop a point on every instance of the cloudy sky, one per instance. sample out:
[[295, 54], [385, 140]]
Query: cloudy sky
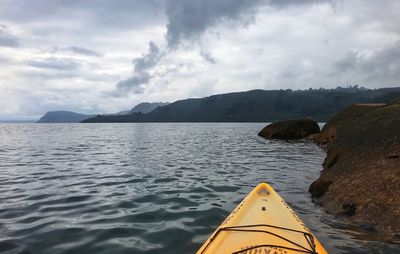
[[101, 56]]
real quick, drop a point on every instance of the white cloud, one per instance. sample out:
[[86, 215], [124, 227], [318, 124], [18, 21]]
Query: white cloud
[[71, 55]]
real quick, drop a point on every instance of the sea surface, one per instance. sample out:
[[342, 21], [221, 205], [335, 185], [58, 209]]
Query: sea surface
[[149, 187]]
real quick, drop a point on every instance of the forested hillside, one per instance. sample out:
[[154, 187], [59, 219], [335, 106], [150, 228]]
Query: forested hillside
[[260, 106]]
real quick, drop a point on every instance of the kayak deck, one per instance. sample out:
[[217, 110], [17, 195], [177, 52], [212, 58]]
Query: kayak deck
[[262, 223]]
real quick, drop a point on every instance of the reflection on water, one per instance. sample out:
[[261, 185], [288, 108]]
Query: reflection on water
[[147, 188]]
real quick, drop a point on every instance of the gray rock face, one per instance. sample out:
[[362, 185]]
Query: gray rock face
[[291, 129]]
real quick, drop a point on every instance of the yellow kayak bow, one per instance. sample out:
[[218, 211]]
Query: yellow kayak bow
[[262, 224]]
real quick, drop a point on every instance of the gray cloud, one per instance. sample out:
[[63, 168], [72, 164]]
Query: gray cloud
[[286, 3], [83, 51], [207, 56], [75, 50], [148, 60], [62, 64], [382, 65], [101, 14], [188, 19], [348, 63], [141, 76], [4, 60], [133, 84], [7, 39], [277, 44]]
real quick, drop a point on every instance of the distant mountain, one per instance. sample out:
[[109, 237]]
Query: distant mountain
[[259, 106], [63, 117], [123, 112], [73, 117], [146, 107], [16, 121]]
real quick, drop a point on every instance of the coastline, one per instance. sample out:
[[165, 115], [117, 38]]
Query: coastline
[[360, 179]]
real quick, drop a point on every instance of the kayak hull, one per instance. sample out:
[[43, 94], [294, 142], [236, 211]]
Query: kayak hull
[[262, 224]]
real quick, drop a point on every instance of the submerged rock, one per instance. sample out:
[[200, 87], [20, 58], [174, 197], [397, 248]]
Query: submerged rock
[[291, 129], [361, 175]]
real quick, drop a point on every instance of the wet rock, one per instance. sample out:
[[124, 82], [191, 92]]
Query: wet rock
[[330, 161], [291, 129], [368, 227], [312, 136], [349, 209], [318, 188], [361, 176], [393, 156]]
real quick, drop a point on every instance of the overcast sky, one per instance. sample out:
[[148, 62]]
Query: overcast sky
[[105, 56]]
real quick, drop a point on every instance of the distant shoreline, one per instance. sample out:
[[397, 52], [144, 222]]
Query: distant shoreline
[[18, 121]]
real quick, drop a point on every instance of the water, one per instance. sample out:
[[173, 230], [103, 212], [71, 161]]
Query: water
[[148, 188]]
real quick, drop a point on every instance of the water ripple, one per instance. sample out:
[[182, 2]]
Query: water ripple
[[147, 188]]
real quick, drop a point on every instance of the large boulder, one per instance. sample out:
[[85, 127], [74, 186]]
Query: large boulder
[[341, 119], [361, 175], [291, 129]]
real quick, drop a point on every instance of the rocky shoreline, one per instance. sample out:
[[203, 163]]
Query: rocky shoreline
[[360, 179], [361, 173]]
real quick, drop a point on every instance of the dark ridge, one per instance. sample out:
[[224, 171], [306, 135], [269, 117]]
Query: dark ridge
[[259, 106], [63, 117]]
